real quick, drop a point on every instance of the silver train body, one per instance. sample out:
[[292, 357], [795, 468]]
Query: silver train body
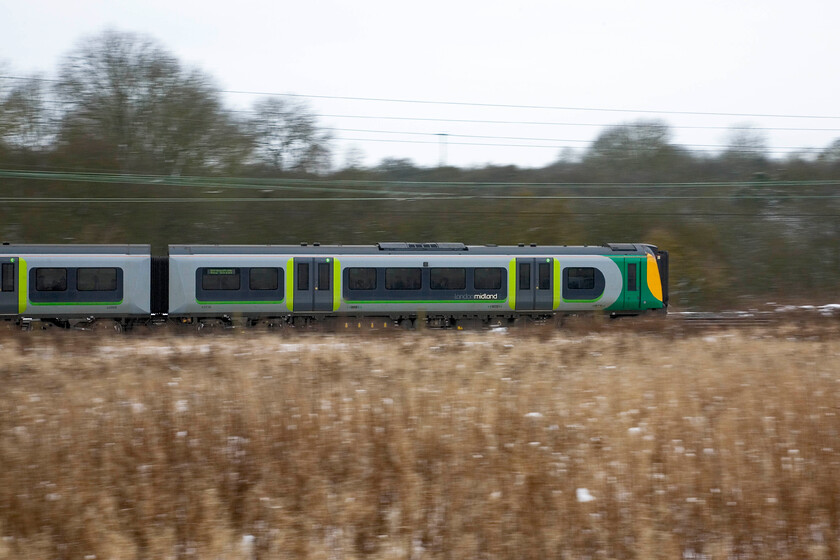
[[68, 284], [442, 283]]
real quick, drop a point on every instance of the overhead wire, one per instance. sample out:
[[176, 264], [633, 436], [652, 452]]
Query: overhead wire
[[540, 107], [675, 126], [551, 123], [782, 150], [354, 185], [493, 105], [455, 135]]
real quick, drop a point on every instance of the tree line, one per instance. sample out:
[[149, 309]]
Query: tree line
[[122, 103]]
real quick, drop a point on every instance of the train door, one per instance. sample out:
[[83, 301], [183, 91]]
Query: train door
[[9, 285], [314, 284], [534, 284], [632, 283]]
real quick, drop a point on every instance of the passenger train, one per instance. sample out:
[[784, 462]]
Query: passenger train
[[382, 286]]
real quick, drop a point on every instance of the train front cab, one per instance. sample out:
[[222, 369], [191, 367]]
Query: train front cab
[[645, 283]]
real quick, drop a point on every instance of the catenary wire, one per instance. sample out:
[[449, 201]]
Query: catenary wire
[[329, 185], [490, 105]]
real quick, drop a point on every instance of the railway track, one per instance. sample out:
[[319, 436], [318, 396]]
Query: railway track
[[725, 319], [743, 319]]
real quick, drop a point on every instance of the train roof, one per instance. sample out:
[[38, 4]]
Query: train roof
[[414, 248], [75, 249]]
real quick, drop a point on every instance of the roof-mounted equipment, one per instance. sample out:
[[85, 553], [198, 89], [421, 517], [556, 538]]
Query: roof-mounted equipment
[[401, 246]]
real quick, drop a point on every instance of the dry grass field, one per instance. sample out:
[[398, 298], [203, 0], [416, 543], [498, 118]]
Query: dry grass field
[[593, 442]]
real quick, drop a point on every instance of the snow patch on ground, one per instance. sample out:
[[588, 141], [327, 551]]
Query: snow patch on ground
[[826, 310]]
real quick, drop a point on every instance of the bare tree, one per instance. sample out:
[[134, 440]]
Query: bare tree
[[633, 151], [744, 142], [287, 137], [23, 115], [128, 103], [831, 153]]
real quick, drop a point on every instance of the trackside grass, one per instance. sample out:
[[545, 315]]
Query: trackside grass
[[579, 444]]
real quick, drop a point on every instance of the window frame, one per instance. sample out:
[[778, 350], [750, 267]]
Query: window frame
[[351, 271], [205, 274], [82, 269], [8, 273], [302, 276], [274, 269], [412, 270], [499, 271], [586, 286], [438, 269], [544, 276], [40, 269], [592, 288], [523, 272], [632, 277], [324, 275]]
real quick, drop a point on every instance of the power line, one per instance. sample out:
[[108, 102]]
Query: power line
[[551, 123], [712, 148], [410, 133], [376, 186], [495, 105], [516, 106], [509, 122]]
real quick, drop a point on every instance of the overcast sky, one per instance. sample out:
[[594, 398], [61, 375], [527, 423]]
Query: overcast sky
[[749, 57]]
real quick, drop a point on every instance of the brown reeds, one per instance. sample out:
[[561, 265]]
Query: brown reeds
[[435, 445]]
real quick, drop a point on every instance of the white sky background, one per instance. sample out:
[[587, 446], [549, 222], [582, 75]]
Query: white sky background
[[756, 57]]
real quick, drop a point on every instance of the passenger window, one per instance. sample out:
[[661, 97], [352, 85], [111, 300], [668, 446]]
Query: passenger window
[[264, 279], [580, 278], [96, 279], [8, 274], [524, 276], [323, 276], [361, 278], [220, 279], [403, 278], [631, 277], [448, 278], [303, 276], [51, 279], [544, 276], [488, 279]]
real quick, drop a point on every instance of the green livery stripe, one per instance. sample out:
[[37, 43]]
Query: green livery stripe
[[336, 284], [585, 300], [290, 284], [555, 298], [240, 302], [512, 283], [23, 286], [76, 303], [425, 301]]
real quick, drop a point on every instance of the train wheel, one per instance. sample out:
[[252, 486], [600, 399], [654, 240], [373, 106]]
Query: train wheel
[[523, 322], [102, 326], [209, 326], [269, 325]]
